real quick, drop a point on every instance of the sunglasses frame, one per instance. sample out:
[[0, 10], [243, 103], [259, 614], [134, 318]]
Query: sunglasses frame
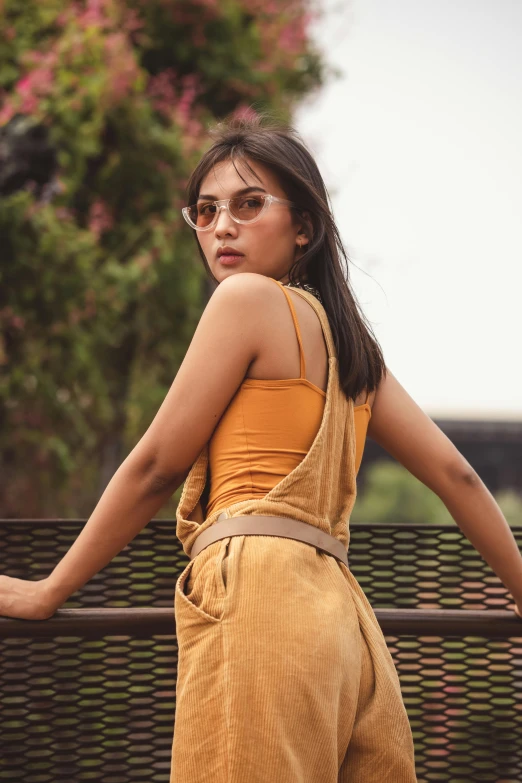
[[224, 204]]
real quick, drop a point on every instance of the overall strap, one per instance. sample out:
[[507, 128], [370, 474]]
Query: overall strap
[[296, 324], [323, 319]]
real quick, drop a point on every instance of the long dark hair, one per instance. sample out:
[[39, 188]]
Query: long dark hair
[[325, 263]]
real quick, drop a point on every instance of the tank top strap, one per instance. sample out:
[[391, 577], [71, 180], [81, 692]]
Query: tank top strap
[[296, 325]]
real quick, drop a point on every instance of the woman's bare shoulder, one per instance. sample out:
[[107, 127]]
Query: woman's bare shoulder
[[227, 339]]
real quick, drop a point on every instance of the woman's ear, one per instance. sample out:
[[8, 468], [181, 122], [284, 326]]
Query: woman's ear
[[305, 228]]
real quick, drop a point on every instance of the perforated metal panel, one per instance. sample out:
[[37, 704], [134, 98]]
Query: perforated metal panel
[[79, 703]]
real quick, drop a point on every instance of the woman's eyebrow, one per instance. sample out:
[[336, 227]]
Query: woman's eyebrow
[[241, 192]]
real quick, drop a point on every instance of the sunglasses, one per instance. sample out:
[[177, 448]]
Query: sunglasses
[[242, 209]]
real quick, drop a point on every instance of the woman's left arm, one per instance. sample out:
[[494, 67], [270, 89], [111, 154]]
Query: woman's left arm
[[226, 341], [401, 427]]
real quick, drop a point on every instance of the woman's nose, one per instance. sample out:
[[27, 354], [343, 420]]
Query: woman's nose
[[223, 223]]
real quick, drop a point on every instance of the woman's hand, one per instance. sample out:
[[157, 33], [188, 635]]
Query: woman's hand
[[25, 600], [518, 610]]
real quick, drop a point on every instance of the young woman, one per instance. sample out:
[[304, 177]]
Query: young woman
[[283, 671]]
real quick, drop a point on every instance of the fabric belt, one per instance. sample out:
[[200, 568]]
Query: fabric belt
[[260, 525]]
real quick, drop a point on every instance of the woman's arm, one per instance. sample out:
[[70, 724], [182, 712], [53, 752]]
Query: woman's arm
[[401, 427], [227, 339], [131, 499], [225, 342]]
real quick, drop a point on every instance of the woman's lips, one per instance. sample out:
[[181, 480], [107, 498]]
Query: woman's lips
[[226, 258]]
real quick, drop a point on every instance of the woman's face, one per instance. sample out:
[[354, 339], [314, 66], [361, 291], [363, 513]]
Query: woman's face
[[270, 245]]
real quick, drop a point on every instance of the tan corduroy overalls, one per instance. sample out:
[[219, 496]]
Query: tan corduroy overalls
[[283, 674]]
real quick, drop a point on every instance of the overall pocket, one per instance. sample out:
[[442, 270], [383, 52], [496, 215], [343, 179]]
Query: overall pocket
[[202, 589]]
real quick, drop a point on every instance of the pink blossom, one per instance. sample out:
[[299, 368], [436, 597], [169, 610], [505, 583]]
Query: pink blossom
[[132, 21], [191, 139], [244, 112], [49, 59], [6, 113], [10, 318], [292, 38], [23, 85], [122, 66], [160, 90], [115, 43], [94, 15], [29, 105], [18, 322], [33, 86], [190, 89], [100, 218], [38, 82]]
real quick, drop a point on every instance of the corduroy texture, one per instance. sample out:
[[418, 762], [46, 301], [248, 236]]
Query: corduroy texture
[[284, 675]]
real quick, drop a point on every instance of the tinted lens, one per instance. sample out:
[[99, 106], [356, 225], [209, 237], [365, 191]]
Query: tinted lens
[[246, 207], [202, 214]]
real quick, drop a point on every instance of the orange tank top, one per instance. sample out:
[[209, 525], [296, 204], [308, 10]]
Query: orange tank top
[[266, 431]]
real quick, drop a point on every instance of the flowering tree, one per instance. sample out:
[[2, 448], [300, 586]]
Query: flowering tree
[[103, 110]]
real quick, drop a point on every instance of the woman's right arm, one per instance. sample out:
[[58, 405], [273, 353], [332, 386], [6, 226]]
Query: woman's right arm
[[402, 428], [227, 339]]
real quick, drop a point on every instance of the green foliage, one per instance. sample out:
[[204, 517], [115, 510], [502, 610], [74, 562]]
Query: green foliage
[[100, 283], [510, 503], [392, 495]]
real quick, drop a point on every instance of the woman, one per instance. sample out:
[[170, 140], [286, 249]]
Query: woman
[[283, 671]]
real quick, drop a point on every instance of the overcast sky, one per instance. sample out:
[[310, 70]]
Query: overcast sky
[[419, 142]]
